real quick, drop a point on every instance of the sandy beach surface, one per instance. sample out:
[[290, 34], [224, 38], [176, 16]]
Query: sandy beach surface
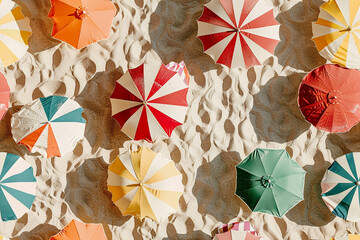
[[231, 112]]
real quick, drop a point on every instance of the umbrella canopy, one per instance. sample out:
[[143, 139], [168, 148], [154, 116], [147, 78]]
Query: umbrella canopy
[[340, 187], [329, 98], [237, 231], [238, 33], [17, 186], [145, 184], [269, 181], [149, 101], [77, 230], [4, 95], [81, 22], [14, 32], [3, 238], [348, 237], [336, 33], [51, 126]]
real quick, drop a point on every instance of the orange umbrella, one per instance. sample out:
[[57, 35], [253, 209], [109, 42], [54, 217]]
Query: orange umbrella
[[81, 22], [76, 230]]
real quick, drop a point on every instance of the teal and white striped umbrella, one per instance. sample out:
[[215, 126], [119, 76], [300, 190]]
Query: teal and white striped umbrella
[[340, 187], [17, 186]]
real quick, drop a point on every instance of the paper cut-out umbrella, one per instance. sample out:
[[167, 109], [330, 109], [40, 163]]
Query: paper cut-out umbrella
[[269, 181], [238, 33], [145, 184], [237, 231], [4, 95], [348, 237], [329, 98], [14, 32], [77, 230], [51, 126], [81, 22], [17, 186], [340, 187], [149, 101], [336, 33]]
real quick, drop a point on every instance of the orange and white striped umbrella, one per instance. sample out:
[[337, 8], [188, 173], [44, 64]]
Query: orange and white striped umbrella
[[14, 32], [145, 184], [149, 101], [336, 33]]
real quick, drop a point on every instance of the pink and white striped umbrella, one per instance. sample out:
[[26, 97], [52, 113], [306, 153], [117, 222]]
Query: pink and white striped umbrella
[[238, 33], [149, 101]]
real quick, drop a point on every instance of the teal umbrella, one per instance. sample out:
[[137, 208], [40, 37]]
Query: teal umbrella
[[269, 181]]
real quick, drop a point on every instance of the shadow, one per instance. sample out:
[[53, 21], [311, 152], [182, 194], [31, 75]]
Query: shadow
[[190, 233], [343, 143], [214, 189], [87, 195], [173, 30], [312, 211], [41, 232], [37, 11], [296, 49], [275, 115], [101, 129]]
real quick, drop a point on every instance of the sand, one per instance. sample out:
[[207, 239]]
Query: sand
[[231, 113]]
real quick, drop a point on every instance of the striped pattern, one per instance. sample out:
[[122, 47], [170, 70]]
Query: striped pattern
[[4, 96], [181, 69], [348, 237], [3, 238], [51, 126], [145, 184], [339, 189], [149, 101], [336, 33], [237, 231], [238, 33], [17, 186], [14, 32], [77, 230]]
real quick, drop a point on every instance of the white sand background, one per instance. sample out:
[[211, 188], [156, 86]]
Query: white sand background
[[231, 113]]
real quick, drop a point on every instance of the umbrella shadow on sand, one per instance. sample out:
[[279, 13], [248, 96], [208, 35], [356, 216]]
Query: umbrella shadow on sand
[[41, 26], [296, 49], [101, 129], [214, 189], [312, 211], [173, 30], [43, 231], [275, 115], [87, 195]]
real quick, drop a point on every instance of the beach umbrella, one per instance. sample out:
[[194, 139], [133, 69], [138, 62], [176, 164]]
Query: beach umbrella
[[77, 230], [329, 98], [51, 126], [237, 231], [17, 186], [4, 95], [269, 181], [145, 184], [348, 237], [14, 32], [336, 33], [81, 22], [149, 101], [238, 33], [340, 187]]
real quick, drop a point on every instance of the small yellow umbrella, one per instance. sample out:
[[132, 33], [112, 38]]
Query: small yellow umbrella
[[336, 33], [145, 184], [14, 32]]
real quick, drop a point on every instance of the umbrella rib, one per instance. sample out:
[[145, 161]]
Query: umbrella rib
[[288, 191], [92, 20], [245, 170]]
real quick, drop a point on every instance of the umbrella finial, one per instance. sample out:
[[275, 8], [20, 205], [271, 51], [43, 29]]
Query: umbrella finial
[[334, 97], [267, 181], [81, 12], [357, 183]]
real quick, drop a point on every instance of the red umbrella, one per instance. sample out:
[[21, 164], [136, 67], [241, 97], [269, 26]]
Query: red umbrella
[[4, 96], [329, 98]]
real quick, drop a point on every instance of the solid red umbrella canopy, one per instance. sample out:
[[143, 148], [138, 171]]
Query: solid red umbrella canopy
[[329, 98]]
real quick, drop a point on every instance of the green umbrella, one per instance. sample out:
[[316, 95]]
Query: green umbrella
[[269, 181]]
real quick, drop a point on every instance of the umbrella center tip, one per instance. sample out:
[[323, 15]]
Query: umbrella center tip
[[357, 183], [81, 12], [334, 97], [267, 181]]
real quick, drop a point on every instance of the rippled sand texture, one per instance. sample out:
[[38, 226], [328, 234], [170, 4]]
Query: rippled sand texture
[[231, 113]]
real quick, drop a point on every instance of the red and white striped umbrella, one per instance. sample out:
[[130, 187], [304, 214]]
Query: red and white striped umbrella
[[150, 101], [238, 33]]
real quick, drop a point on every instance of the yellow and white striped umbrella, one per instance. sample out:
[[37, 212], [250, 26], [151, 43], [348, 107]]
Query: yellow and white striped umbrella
[[14, 32], [336, 33], [145, 184]]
